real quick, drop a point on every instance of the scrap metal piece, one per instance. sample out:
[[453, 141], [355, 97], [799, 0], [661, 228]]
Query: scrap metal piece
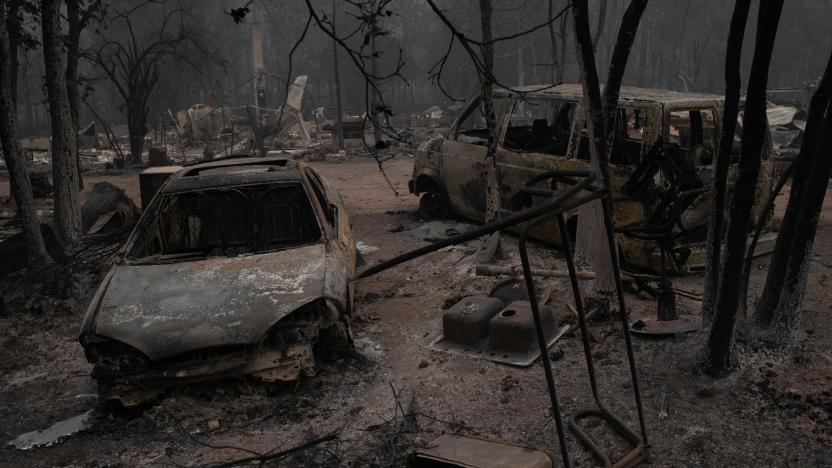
[[681, 324], [201, 122], [668, 321], [516, 270], [107, 210], [509, 290], [284, 366], [54, 434], [451, 450], [152, 179]]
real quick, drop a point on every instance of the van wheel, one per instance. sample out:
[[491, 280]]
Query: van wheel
[[433, 205]]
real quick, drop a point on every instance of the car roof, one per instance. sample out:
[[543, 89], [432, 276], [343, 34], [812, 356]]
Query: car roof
[[232, 172], [573, 91]]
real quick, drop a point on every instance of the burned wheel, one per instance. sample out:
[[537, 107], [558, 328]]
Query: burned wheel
[[433, 205], [338, 337]]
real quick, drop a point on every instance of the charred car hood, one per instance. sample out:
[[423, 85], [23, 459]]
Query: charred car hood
[[168, 309]]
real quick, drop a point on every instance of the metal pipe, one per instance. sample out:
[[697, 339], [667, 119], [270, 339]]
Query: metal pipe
[[541, 339], [639, 452], [561, 202], [622, 312], [579, 309]]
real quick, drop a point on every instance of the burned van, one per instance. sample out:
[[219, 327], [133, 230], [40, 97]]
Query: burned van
[[661, 165]]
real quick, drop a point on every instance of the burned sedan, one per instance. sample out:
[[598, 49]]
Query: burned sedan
[[237, 267]]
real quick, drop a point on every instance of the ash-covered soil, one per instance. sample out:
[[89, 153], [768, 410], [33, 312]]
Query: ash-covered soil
[[395, 394]]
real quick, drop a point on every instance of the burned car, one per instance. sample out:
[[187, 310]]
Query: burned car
[[239, 267], [661, 166]]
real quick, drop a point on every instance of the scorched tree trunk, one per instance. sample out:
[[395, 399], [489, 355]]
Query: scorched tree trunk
[[733, 85], [64, 158], [719, 358], [15, 162]]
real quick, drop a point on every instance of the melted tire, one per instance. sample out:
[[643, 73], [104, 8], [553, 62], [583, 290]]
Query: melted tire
[[433, 205]]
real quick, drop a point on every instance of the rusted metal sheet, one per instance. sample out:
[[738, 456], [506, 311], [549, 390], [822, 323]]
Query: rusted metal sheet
[[780, 115], [107, 210], [696, 260], [452, 450], [152, 179], [165, 310], [574, 92]]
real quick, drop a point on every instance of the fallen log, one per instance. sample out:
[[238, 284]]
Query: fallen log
[[494, 270]]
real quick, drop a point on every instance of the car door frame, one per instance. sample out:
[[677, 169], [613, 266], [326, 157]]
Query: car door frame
[[515, 167], [462, 164], [340, 244]]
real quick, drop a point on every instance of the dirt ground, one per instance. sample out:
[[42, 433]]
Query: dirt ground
[[774, 412]]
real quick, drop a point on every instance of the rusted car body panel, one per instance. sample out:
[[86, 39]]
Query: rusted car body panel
[[207, 303], [161, 319], [452, 165]]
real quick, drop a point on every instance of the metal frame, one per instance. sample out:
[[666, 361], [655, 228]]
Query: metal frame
[[558, 202], [638, 453]]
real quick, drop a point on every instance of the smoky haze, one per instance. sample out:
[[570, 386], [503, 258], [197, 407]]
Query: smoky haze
[[680, 46]]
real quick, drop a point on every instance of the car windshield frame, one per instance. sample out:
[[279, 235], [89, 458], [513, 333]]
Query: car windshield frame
[[148, 229]]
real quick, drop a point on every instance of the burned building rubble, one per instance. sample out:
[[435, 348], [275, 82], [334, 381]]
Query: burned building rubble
[[425, 234]]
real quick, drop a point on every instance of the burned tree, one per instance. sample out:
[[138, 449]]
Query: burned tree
[[364, 57], [601, 114], [769, 299], [131, 61], [492, 187], [481, 54], [15, 161], [780, 304], [78, 13], [733, 84], [18, 36], [64, 145], [719, 358], [369, 13], [336, 72]]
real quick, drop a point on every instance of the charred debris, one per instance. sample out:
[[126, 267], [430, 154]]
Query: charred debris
[[242, 225]]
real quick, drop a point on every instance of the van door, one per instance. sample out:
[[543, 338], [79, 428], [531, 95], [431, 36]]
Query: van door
[[463, 154], [535, 139]]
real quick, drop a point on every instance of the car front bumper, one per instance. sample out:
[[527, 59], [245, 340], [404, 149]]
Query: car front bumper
[[133, 388]]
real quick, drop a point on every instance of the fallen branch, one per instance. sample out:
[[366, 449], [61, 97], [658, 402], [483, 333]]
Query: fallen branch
[[516, 270]]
